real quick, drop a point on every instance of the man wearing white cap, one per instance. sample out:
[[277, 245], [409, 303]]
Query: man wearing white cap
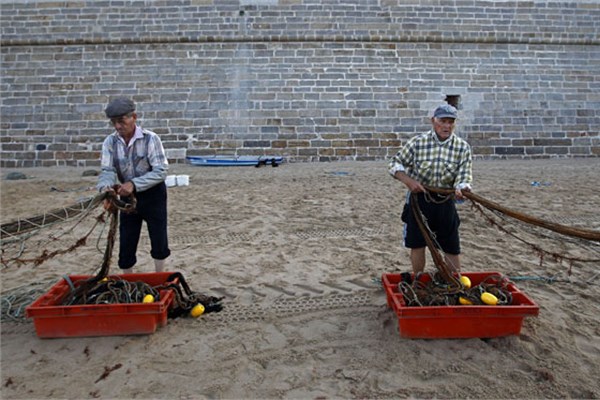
[[441, 159], [135, 157]]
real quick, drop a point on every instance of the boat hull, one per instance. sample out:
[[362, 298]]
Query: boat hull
[[241, 161]]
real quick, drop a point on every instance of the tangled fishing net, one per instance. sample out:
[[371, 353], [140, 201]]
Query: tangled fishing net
[[447, 286], [101, 288]]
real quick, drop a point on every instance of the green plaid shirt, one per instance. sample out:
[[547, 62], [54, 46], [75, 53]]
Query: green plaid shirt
[[425, 158]]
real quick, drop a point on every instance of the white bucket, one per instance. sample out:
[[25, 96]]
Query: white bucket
[[182, 180], [171, 180]]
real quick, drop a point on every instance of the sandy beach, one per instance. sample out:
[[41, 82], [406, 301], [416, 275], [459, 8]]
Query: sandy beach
[[297, 252]]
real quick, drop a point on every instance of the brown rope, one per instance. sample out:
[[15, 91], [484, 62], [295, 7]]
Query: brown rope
[[580, 233], [447, 273], [112, 209]]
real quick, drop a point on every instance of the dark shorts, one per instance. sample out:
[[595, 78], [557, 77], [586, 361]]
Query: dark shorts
[[441, 218], [152, 208]]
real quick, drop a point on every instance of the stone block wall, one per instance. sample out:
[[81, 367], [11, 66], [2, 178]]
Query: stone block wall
[[309, 80]]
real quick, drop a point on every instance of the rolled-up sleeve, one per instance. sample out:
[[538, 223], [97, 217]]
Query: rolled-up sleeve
[[395, 165], [401, 160], [464, 178]]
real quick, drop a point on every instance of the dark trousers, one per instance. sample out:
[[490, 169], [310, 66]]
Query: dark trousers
[[442, 218], [152, 208]]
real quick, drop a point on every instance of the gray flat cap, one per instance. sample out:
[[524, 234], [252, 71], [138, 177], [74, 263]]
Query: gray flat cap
[[119, 106], [445, 111]]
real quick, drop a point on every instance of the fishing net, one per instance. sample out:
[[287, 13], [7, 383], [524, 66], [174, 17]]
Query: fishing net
[[547, 239], [21, 244]]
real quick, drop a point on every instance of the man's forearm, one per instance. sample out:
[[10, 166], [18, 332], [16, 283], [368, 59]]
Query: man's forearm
[[412, 184]]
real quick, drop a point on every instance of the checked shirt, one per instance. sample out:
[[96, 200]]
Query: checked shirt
[[425, 158], [143, 162]]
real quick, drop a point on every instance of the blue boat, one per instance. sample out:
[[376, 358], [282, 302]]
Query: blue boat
[[234, 161]]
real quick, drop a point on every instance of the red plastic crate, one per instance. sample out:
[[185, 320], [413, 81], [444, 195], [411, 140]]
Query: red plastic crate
[[459, 322], [53, 320]]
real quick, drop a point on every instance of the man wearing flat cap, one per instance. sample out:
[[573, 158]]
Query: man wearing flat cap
[[134, 164], [439, 159]]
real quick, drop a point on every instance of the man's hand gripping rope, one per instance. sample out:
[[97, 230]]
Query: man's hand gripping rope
[[113, 203]]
